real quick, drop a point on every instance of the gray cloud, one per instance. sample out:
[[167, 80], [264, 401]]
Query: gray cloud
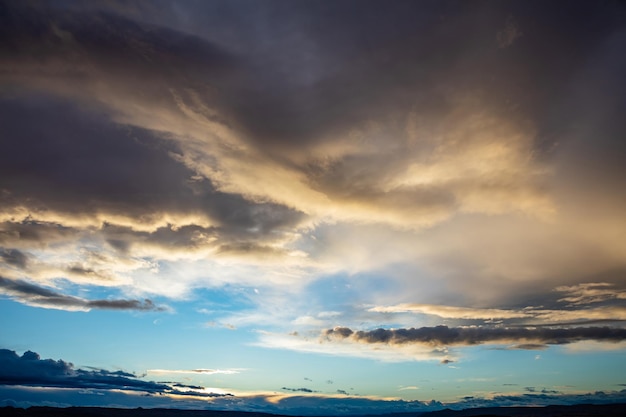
[[73, 173], [298, 389], [31, 294], [446, 336], [14, 257], [545, 399], [31, 370]]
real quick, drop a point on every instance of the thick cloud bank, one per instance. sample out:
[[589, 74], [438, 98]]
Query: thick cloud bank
[[30, 370]]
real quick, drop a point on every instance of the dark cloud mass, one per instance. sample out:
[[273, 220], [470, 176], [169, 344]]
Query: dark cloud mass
[[30, 369], [446, 336]]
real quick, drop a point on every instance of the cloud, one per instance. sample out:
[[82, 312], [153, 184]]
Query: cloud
[[580, 309], [14, 257], [452, 312], [298, 389], [194, 371], [587, 293], [511, 32], [37, 296], [446, 336], [543, 399], [30, 370], [346, 347], [310, 405]]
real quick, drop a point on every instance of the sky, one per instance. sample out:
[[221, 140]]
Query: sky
[[312, 207]]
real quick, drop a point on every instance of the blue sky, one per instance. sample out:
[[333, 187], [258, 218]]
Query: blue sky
[[305, 207]]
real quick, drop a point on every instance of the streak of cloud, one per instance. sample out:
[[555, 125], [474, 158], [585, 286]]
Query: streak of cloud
[[37, 296], [194, 371], [446, 336]]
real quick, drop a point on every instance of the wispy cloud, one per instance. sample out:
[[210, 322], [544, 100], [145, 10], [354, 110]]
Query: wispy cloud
[[592, 292], [195, 371], [37, 296], [579, 310], [452, 312]]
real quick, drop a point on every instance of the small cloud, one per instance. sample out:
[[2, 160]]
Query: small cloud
[[590, 292], [194, 371], [509, 34], [307, 390], [340, 391], [537, 357], [549, 391], [446, 361], [528, 346], [412, 387], [328, 314]]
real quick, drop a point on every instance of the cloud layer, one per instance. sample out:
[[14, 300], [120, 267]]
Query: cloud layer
[[446, 336], [30, 370]]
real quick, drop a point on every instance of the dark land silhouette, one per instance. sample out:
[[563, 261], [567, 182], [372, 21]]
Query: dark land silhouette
[[581, 410]]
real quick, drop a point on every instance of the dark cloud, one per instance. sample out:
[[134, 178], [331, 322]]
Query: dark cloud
[[14, 257], [31, 370], [314, 75], [75, 161], [298, 389], [543, 399], [32, 294], [529, 346], [444, 335], [32, 233]]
